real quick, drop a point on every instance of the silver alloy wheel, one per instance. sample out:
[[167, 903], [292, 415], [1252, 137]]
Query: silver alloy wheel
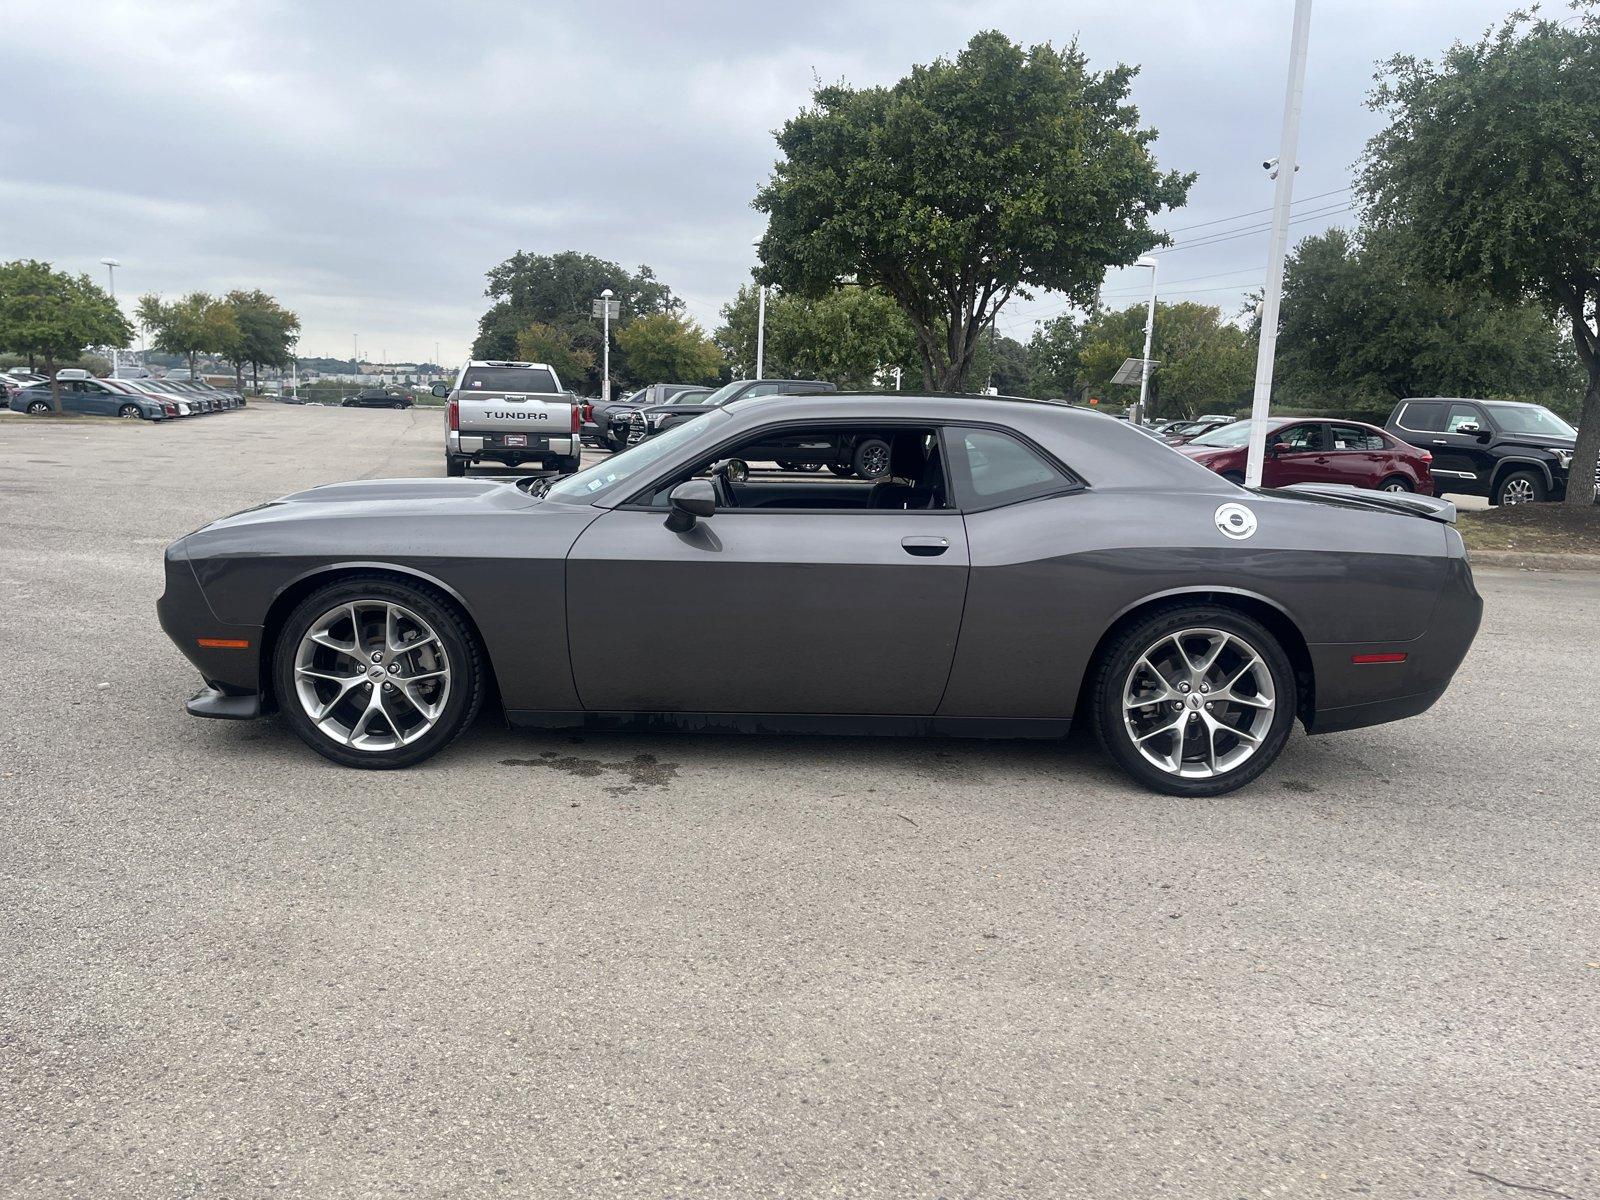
[[1518, 491], [37, 407], [1394, 485], [1198, 703], [128, 411], [372, 675]]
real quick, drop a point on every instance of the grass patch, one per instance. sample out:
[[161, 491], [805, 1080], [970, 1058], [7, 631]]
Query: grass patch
[[1534, 528]]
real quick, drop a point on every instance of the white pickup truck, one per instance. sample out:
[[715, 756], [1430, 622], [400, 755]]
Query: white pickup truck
[[510, 413]]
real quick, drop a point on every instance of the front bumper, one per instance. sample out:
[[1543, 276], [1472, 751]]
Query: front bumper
[[230, 671], [223, 706]]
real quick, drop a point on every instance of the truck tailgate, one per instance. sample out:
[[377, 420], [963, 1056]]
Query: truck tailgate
[[512, 412]]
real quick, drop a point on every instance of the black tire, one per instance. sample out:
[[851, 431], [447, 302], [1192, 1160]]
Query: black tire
[[460, 647], [1520, 487], [1234, 478], [842, 472], [569, 465], [808, 467], [455, 467], [129, 412], [1396, 483], [1117, 661], [38, 408], [871, 459], [788, 466]]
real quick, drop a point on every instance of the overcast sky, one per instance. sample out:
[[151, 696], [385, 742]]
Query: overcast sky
[[367, 163]]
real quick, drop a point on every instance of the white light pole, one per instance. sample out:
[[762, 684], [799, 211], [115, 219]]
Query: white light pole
[[1283, 197], [111, 276], [1149, 329], [605, 354], [761, 333]]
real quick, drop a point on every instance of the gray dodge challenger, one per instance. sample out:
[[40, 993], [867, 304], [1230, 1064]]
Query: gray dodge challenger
[[1020, 565]]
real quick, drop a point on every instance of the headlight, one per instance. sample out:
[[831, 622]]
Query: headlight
[[1563, 458], [656, 419]]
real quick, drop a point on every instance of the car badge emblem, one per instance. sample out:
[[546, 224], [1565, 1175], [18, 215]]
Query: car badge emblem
[[1235, 521]]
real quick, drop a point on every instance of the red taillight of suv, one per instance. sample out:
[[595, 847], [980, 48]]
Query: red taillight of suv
[[577, 419], [452, 413]]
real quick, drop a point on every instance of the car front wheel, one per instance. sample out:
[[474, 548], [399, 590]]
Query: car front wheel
[[375, 673], [1520, 487], [38, 407], [1194, 700]]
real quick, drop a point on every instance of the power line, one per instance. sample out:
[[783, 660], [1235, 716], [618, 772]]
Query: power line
[[1228, 235], [1258, 211]]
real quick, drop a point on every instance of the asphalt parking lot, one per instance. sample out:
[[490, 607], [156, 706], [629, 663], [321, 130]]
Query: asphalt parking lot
[[735, 967]]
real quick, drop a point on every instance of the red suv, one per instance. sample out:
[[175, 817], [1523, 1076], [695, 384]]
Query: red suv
[[1302, 451]]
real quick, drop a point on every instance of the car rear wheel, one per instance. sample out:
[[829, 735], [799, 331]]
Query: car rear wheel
[[375, 673], [1519, 487], [1395, 483], [842, 472], [569, 465], [871, 459], [38, 407], [1194, 700], [455, 468]]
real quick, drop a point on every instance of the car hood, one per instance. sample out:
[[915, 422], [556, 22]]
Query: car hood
[[1542, 441], [399, 498]]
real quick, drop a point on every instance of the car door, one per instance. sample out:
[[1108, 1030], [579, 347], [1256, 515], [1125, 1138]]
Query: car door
[[1305, 457], [767, 611], [1462, 446], [1356, 455]]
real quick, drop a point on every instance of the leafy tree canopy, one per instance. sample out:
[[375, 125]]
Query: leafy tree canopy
[[666, 348], [847, 336], [968, 182], [199, 323], [264, 332], [1362, 325], [1491, 164], [1207, 364], [547, 344], [55, 315]]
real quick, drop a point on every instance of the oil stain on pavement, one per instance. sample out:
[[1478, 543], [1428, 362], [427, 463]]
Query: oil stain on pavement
[[642, 770]]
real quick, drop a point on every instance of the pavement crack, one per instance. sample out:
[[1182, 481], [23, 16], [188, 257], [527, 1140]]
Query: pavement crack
[[1521, 1187]]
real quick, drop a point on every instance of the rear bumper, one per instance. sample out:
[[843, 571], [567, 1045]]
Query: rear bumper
[[471, 445]]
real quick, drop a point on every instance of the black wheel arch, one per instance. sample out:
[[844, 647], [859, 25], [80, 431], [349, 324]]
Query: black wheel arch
[[1260, 608], [1505, 466], [292, 593]]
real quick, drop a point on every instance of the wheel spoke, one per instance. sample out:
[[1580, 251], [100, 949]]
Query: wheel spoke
[[1211, 657], [350, 649]]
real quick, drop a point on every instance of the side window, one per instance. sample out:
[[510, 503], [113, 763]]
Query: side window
[[763, 389], [1422, 418], [989, 468], [1353, 437], [1464, 414], [1303, 437]]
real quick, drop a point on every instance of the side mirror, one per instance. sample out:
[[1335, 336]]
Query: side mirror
[[440, 390], [1280, 448], [734, 470], [689, 501]]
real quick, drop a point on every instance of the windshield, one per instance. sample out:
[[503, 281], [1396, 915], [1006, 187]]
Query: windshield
[[1530, 418], [624, 471], [1236, 434], [723, 394], [690, 398], [507, 379]]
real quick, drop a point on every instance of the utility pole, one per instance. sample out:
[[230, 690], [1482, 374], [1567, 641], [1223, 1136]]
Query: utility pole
[[1149, 330], [605, 303], [111, 276], [1283, 197], [761, 333]]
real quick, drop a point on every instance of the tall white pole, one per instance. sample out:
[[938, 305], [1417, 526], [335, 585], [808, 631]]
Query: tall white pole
[[1149, 330], [111, 279], [605, 354], [1283, 197], [761, 334]]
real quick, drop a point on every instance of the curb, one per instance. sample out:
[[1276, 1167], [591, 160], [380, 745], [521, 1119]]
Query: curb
[[1520, 560]]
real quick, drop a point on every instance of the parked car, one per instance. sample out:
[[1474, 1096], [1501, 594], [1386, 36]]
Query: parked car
[[1513, 453], [1315, 451], [1176, 433], [171, 405], [510, 413], [379, 398], [651, 421], [88, 396], [610, 417], [199, 402], [625, 429], [1024, 566]]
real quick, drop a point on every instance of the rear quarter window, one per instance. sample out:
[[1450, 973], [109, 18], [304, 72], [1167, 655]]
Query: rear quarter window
[[1421, 418], [989, 469]]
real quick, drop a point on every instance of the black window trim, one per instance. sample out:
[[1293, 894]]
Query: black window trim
[[1074, 483]]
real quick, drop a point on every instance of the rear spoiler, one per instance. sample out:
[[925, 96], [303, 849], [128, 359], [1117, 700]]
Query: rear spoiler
[[1407, 503]]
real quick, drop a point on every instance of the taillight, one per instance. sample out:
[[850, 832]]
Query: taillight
[[588, 412], [577, 419], [453, 415]]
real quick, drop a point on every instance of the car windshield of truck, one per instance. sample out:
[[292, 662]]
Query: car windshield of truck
[[1531, 418], [624, 471], [507, 379], [723, 394], [1236, 434]]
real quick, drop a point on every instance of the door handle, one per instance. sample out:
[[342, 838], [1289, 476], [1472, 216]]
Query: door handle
[[1440, 442], [925, 547]]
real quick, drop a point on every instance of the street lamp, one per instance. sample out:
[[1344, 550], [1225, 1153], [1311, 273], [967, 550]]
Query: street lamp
[[606, 308], [761, 333], [111, 278], [1149, 329]]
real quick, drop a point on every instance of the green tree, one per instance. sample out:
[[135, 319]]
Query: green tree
[[547, 344], [1206, 362], [55, 315], [1491, 163], [197, 324], [559, 290], [966, 183], [1053, 353], [1361, 324], [665, 347], [849, 336], [266, 333], [1000, 362]]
